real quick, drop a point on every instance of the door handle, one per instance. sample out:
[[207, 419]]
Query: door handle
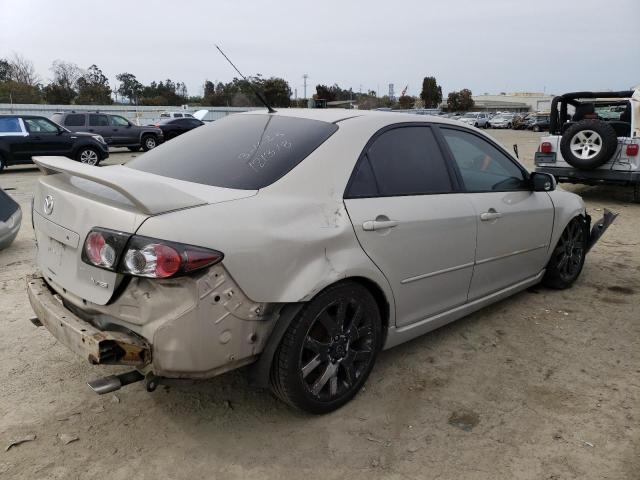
[[371, 225], [492, 214]]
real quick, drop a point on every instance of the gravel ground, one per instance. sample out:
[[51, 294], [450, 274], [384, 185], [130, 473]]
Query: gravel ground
[[543, 385]]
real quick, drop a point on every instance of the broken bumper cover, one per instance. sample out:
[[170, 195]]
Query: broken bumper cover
[[97, 346], [600, 227]]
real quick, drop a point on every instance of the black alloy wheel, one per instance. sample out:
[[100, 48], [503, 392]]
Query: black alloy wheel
[[329, 350], [568, 257]]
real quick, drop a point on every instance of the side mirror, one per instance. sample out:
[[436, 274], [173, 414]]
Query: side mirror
[[542, 182], [60, 131]]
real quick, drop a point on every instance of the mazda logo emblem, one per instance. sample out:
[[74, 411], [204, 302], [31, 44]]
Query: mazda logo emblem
[[48, 204]]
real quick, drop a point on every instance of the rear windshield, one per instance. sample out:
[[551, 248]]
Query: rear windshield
[[246, 152]]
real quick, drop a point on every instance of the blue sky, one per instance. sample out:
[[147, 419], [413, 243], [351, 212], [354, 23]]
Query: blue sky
[[487, 46]]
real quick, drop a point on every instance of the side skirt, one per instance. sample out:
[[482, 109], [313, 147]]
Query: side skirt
[[396, 336]]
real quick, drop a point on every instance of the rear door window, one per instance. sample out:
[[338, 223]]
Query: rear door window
[[96, 120], [401, 161], [74, 120], [243, 151]]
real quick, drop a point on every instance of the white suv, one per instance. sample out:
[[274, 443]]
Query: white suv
[[594, 138]]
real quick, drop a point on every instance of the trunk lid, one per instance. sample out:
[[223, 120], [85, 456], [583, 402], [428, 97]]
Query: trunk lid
[[72, 198]]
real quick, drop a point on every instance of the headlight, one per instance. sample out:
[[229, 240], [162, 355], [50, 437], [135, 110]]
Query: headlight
[[99, 138]]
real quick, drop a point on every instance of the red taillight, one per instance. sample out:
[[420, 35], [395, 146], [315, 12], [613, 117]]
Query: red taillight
[[632, 149], [545, 147], [199, 258], [98, 251], [144, 256]]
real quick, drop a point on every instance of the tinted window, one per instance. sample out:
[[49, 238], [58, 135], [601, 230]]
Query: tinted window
[[74, 120], [363, 182], [10, 125], [188, 115], [96, 120], [117, 121], [240, 151], [404, 161], [177, 115], [193, 123], [483, 167], [40, 125]]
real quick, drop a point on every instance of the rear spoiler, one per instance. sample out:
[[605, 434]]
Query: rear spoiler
[[147, 194]]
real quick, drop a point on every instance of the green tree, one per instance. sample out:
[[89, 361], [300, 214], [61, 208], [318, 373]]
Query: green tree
[[93, 88], [130, 87], [406, 102], [63, 87], [17, 92], [431, 93], [276, 91], [5, 70], [325, 93], [460, 101]]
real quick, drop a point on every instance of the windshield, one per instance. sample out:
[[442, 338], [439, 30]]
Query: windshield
[[246, 152], [470, 115]]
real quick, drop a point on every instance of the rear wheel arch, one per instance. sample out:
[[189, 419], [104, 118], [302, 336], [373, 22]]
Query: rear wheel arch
[[259, 371]]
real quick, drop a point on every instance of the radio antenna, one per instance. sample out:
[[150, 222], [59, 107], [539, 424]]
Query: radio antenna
[[258, 94]]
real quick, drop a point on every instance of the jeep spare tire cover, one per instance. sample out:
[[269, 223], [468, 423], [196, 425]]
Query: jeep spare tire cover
[[588, 144]]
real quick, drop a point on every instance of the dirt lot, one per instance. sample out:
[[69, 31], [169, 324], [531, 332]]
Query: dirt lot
[[544, 385]]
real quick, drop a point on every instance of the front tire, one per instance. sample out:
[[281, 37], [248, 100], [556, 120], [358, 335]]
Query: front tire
[[328, 350], [149, 142], [88, 155], [568, 257]]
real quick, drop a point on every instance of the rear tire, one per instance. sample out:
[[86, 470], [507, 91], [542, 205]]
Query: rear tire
[[2, 164], [329, 349], [171, 135], [568, 257], [88, 155], [149, 142]]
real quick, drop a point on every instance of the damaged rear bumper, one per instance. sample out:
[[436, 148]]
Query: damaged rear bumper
[[600, 227], [97, 346]]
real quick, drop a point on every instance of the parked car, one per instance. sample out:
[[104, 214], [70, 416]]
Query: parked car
[[22, 136], [10, 219], [519, 121], [115, 129], [172, 127], [475, 119], [301, 242], [504, 120], [538, 123], [587, 148], [456, 116]]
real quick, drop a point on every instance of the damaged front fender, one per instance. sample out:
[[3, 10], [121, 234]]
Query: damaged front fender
[[600, 227]]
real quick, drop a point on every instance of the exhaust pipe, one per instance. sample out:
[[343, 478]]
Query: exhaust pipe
[[112, 383]]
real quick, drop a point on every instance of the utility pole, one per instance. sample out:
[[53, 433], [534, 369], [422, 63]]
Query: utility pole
[[305, 77]]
